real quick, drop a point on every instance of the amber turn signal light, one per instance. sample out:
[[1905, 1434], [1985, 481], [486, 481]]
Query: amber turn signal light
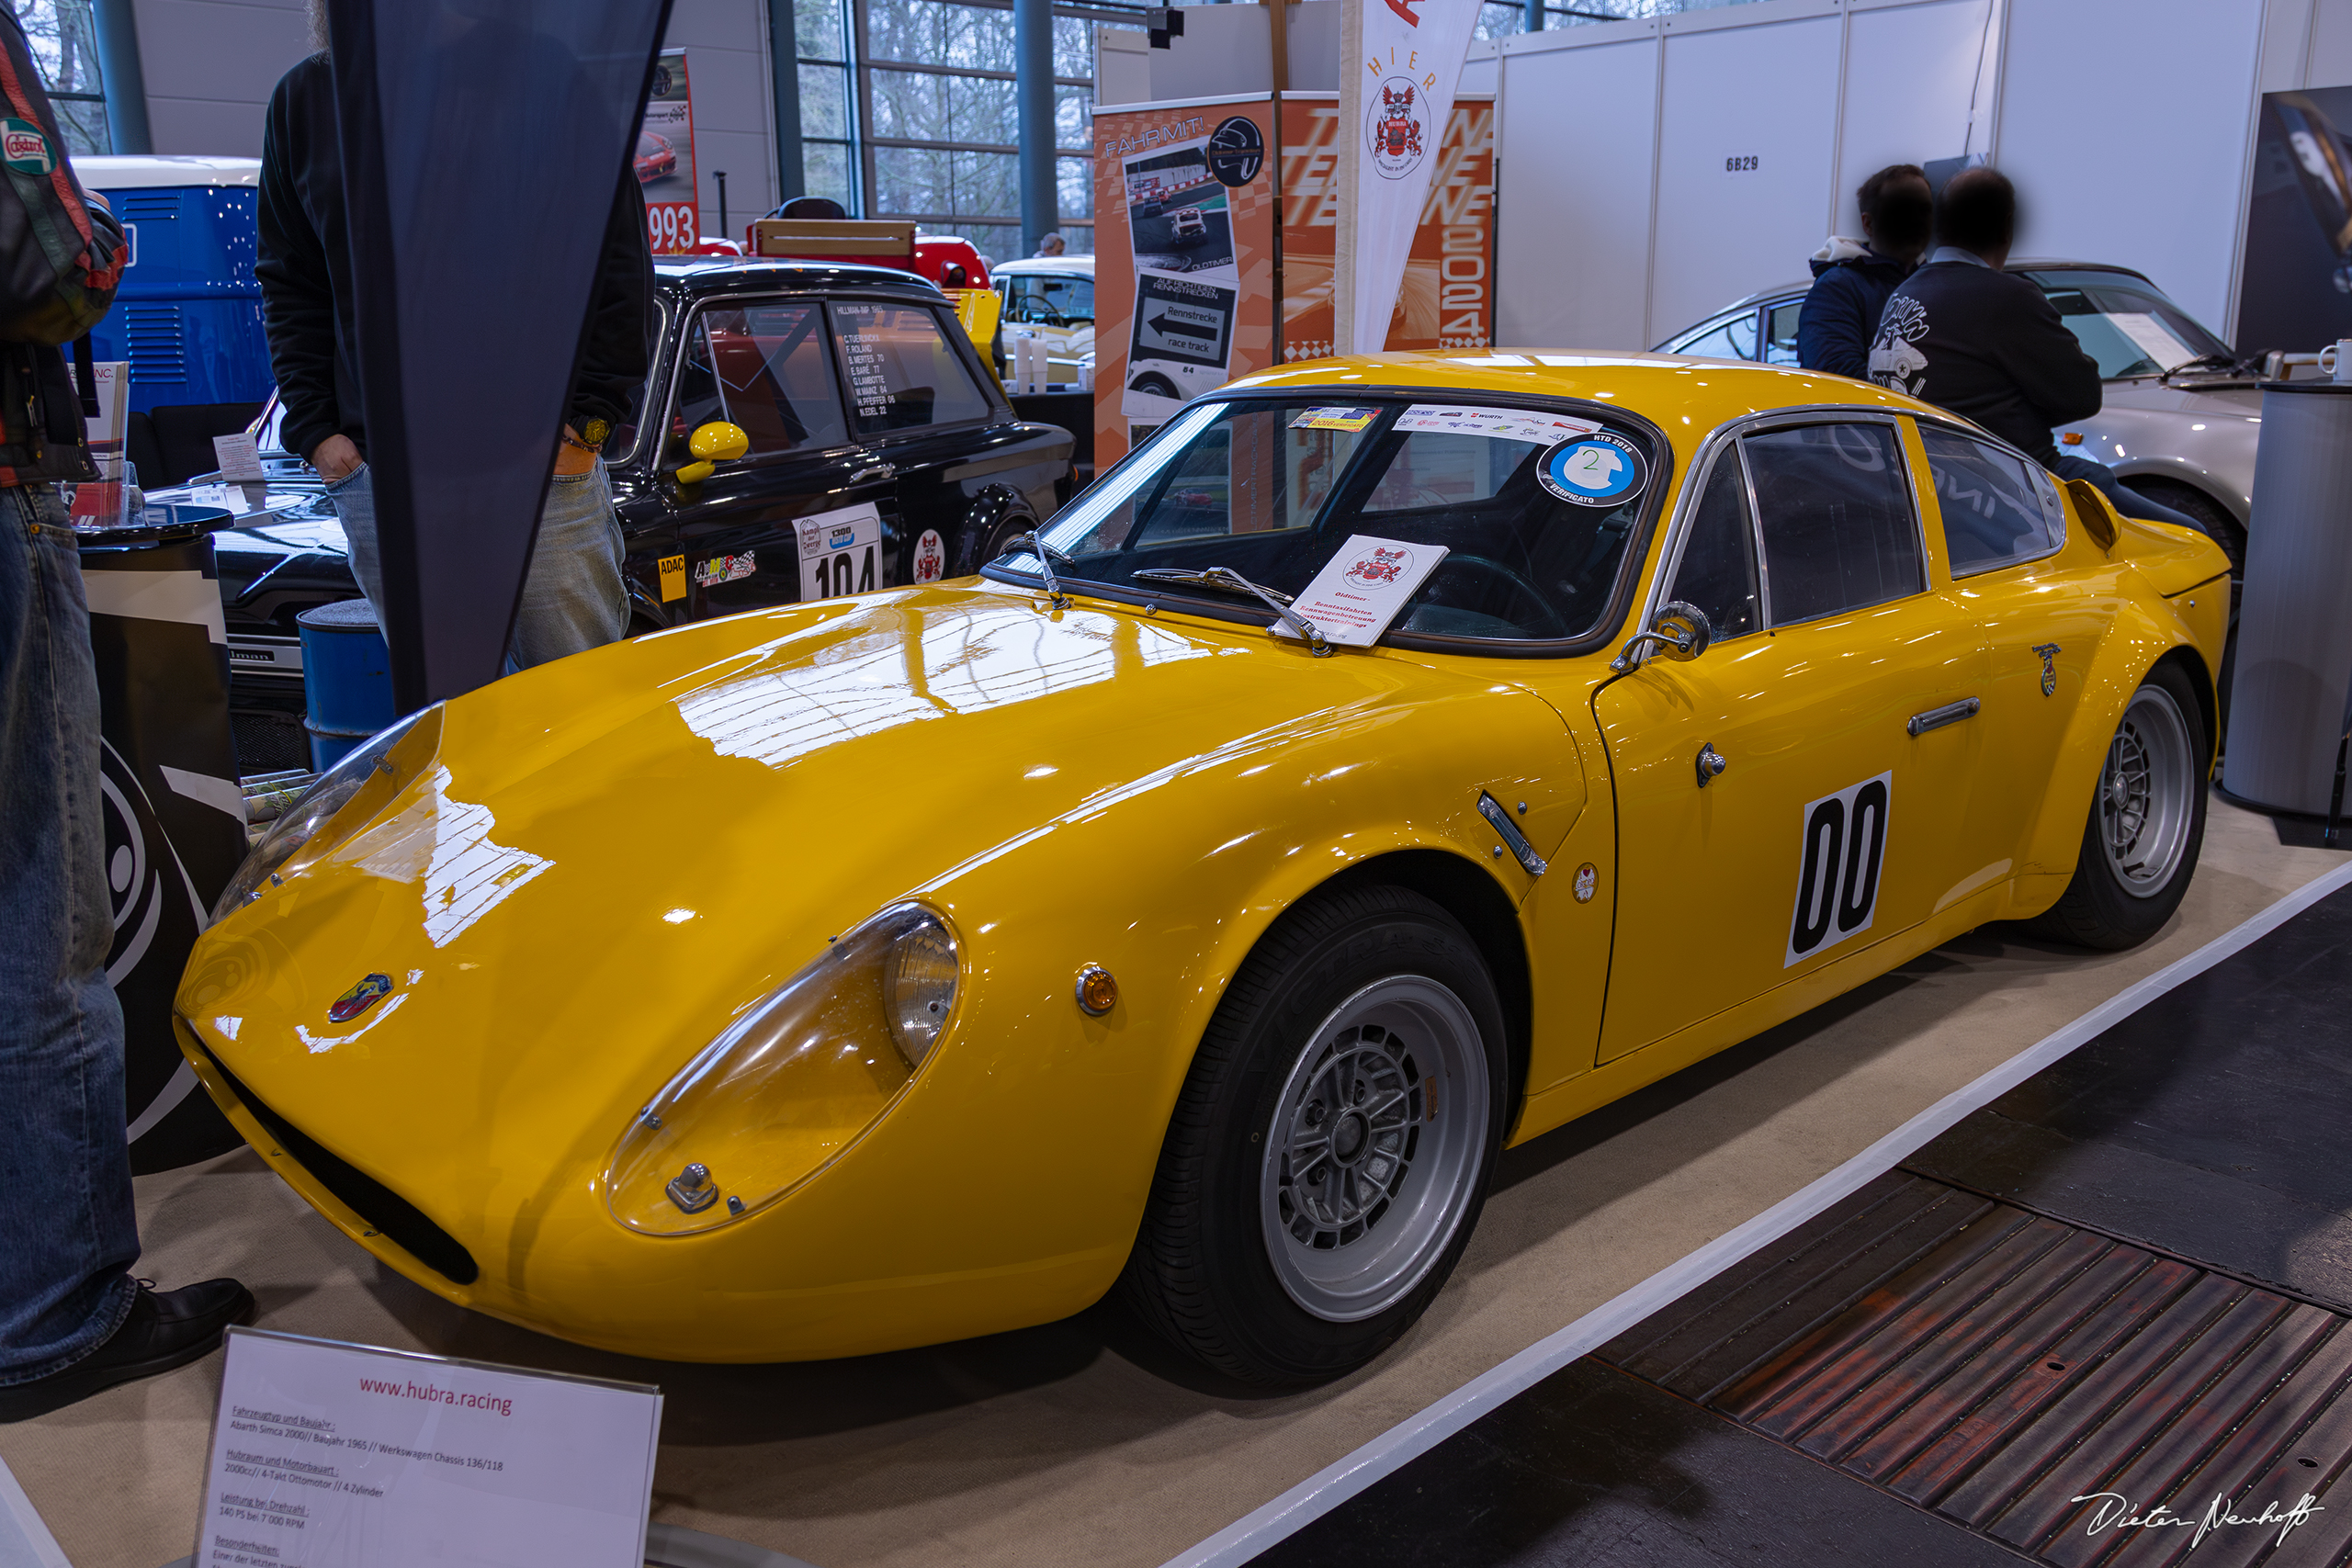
[[1097, 992]]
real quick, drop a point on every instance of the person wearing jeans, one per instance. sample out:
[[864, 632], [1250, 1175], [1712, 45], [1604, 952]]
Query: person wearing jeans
[[73, 1320], [573, 596]]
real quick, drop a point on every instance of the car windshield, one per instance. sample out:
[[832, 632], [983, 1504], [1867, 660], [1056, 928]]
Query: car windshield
[[1051, 299], [1533, 507], [2126, 323]]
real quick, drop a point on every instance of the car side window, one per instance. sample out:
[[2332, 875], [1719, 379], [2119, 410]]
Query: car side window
[[903, 373], [1733, 338], [1781, 332], [1717, 572], [1997, 508], [765, 369], [1049, 300], [1833, 505]]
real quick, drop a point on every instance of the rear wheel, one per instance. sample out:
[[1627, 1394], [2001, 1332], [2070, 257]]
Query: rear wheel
[[2147, 821], [1330, 1151]]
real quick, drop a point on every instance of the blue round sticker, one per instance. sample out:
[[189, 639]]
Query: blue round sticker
[[1599, 470]]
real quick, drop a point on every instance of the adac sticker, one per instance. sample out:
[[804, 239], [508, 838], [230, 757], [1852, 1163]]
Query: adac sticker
[[673, 578], [1599, 470], [25, 148]]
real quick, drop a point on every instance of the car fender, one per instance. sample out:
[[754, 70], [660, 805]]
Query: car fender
[[2145, 627], [2208, 444]]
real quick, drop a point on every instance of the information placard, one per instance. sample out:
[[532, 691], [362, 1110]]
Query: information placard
[[1363, 588], [327, 1455]]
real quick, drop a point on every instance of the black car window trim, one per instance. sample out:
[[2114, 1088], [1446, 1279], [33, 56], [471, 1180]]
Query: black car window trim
[[959, 344], [1986, 438], [690, 322], [1785, 419], [1605, 627]]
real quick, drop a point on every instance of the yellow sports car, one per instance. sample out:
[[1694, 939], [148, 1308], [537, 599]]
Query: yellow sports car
[[1392, 760]]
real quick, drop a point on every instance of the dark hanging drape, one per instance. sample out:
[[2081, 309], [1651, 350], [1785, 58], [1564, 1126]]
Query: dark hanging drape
[[481, 140]]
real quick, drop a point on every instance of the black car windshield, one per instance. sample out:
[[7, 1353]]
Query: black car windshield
[[2126, 323], [1533, 507]]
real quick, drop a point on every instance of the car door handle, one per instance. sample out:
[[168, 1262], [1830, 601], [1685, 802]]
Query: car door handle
[[1936, 718], [878, 472]]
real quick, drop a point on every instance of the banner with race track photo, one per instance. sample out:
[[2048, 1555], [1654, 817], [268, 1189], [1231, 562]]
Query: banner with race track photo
[[1400, 64], [664, 159]]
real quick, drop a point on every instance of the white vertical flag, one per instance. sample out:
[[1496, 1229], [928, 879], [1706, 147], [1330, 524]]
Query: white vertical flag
[[1400, 63]]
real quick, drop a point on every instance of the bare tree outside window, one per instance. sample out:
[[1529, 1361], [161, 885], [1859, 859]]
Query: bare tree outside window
[[65, 38]]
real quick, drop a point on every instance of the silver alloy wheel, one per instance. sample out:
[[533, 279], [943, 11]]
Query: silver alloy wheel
[[1375, 1146], [2147, 792]]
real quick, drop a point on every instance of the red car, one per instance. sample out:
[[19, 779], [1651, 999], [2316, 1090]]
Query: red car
[[655, 156]]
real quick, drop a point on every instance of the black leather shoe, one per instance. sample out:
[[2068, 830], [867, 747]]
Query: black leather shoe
[[165, 1329]]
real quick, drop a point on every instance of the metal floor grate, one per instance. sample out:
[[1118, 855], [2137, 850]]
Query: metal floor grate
[[1991, 1365]]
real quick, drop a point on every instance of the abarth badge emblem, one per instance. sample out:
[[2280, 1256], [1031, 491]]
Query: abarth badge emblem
[[370, 991], [2049, 651], [1588, 882]]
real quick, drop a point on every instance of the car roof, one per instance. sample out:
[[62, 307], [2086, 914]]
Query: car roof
[[108, 172], [740, 275], [2018, 264], [1685, 396], [1046, 264]]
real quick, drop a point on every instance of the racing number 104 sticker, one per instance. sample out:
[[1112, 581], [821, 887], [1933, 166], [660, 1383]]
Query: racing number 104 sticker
[[1838, 874]]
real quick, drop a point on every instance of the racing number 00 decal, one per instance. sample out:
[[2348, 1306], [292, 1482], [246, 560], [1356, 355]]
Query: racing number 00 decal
[[1838, 873]]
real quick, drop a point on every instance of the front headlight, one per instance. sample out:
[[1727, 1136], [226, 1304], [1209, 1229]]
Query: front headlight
[[792, 1082], [369, 774]]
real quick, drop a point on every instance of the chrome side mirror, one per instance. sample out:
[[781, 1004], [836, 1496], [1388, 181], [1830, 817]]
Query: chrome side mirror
[[1679, 631]]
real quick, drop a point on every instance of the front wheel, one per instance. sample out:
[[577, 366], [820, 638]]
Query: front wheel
[[2147, 822], [1330, 1151]]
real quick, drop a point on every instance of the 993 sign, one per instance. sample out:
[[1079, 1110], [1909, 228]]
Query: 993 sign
[[671, 226]]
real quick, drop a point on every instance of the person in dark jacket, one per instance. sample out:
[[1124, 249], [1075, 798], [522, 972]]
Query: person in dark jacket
[[573, 596], [73, 1320], [1851, 278], [1965, 335]]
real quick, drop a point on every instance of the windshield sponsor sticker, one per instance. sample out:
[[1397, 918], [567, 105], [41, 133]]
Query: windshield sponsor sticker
[[1334, 419], [1599, 469], [1837, 872], [1499, 424], [1363, 588]]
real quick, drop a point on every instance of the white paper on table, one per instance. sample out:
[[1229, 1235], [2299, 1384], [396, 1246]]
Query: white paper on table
[[1363, 588], [1500, 425], [345, 1456], [239, 456], [2153, 338]]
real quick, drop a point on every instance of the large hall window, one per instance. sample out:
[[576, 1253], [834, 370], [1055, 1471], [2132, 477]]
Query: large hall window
[[65, 38], [907, 110]]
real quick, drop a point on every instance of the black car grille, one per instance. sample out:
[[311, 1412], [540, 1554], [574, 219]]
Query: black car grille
[[402, 1222]]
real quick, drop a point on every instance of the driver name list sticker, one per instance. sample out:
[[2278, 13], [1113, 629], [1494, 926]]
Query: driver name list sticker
[[1499, 424], [1363, 588], [341, 1456]]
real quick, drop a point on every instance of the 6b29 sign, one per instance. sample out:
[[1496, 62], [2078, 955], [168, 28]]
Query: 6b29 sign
[[1837, 875]]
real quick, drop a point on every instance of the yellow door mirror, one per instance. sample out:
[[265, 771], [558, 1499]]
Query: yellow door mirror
[[713, 444]]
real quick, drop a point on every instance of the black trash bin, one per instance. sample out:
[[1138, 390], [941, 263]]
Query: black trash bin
[[175, 814]]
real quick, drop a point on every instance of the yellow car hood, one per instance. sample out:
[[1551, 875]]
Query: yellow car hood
[[613, 855]]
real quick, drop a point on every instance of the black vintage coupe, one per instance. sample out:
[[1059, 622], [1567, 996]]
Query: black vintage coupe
[[855, 388]]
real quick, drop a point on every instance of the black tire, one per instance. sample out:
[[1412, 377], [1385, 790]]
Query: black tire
[[2107, 906], [1204, 1272], [2224, 528]]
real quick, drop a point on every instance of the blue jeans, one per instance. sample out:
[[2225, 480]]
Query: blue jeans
[[68, 1233], [2128, 502], [573, 598]]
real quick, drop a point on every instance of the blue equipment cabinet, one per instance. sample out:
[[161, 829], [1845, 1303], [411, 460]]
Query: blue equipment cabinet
[[187, 316]]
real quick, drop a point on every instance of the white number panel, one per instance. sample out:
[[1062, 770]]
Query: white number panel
[[840, 552], [1838, 873]]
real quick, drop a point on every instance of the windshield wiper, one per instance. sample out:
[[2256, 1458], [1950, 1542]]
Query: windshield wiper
[[1232, 582], [1046, 554]]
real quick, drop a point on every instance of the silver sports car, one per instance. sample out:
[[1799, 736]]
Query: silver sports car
[[2181, 418]]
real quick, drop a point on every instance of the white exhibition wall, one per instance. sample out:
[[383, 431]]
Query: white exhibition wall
[[1650, 173]]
